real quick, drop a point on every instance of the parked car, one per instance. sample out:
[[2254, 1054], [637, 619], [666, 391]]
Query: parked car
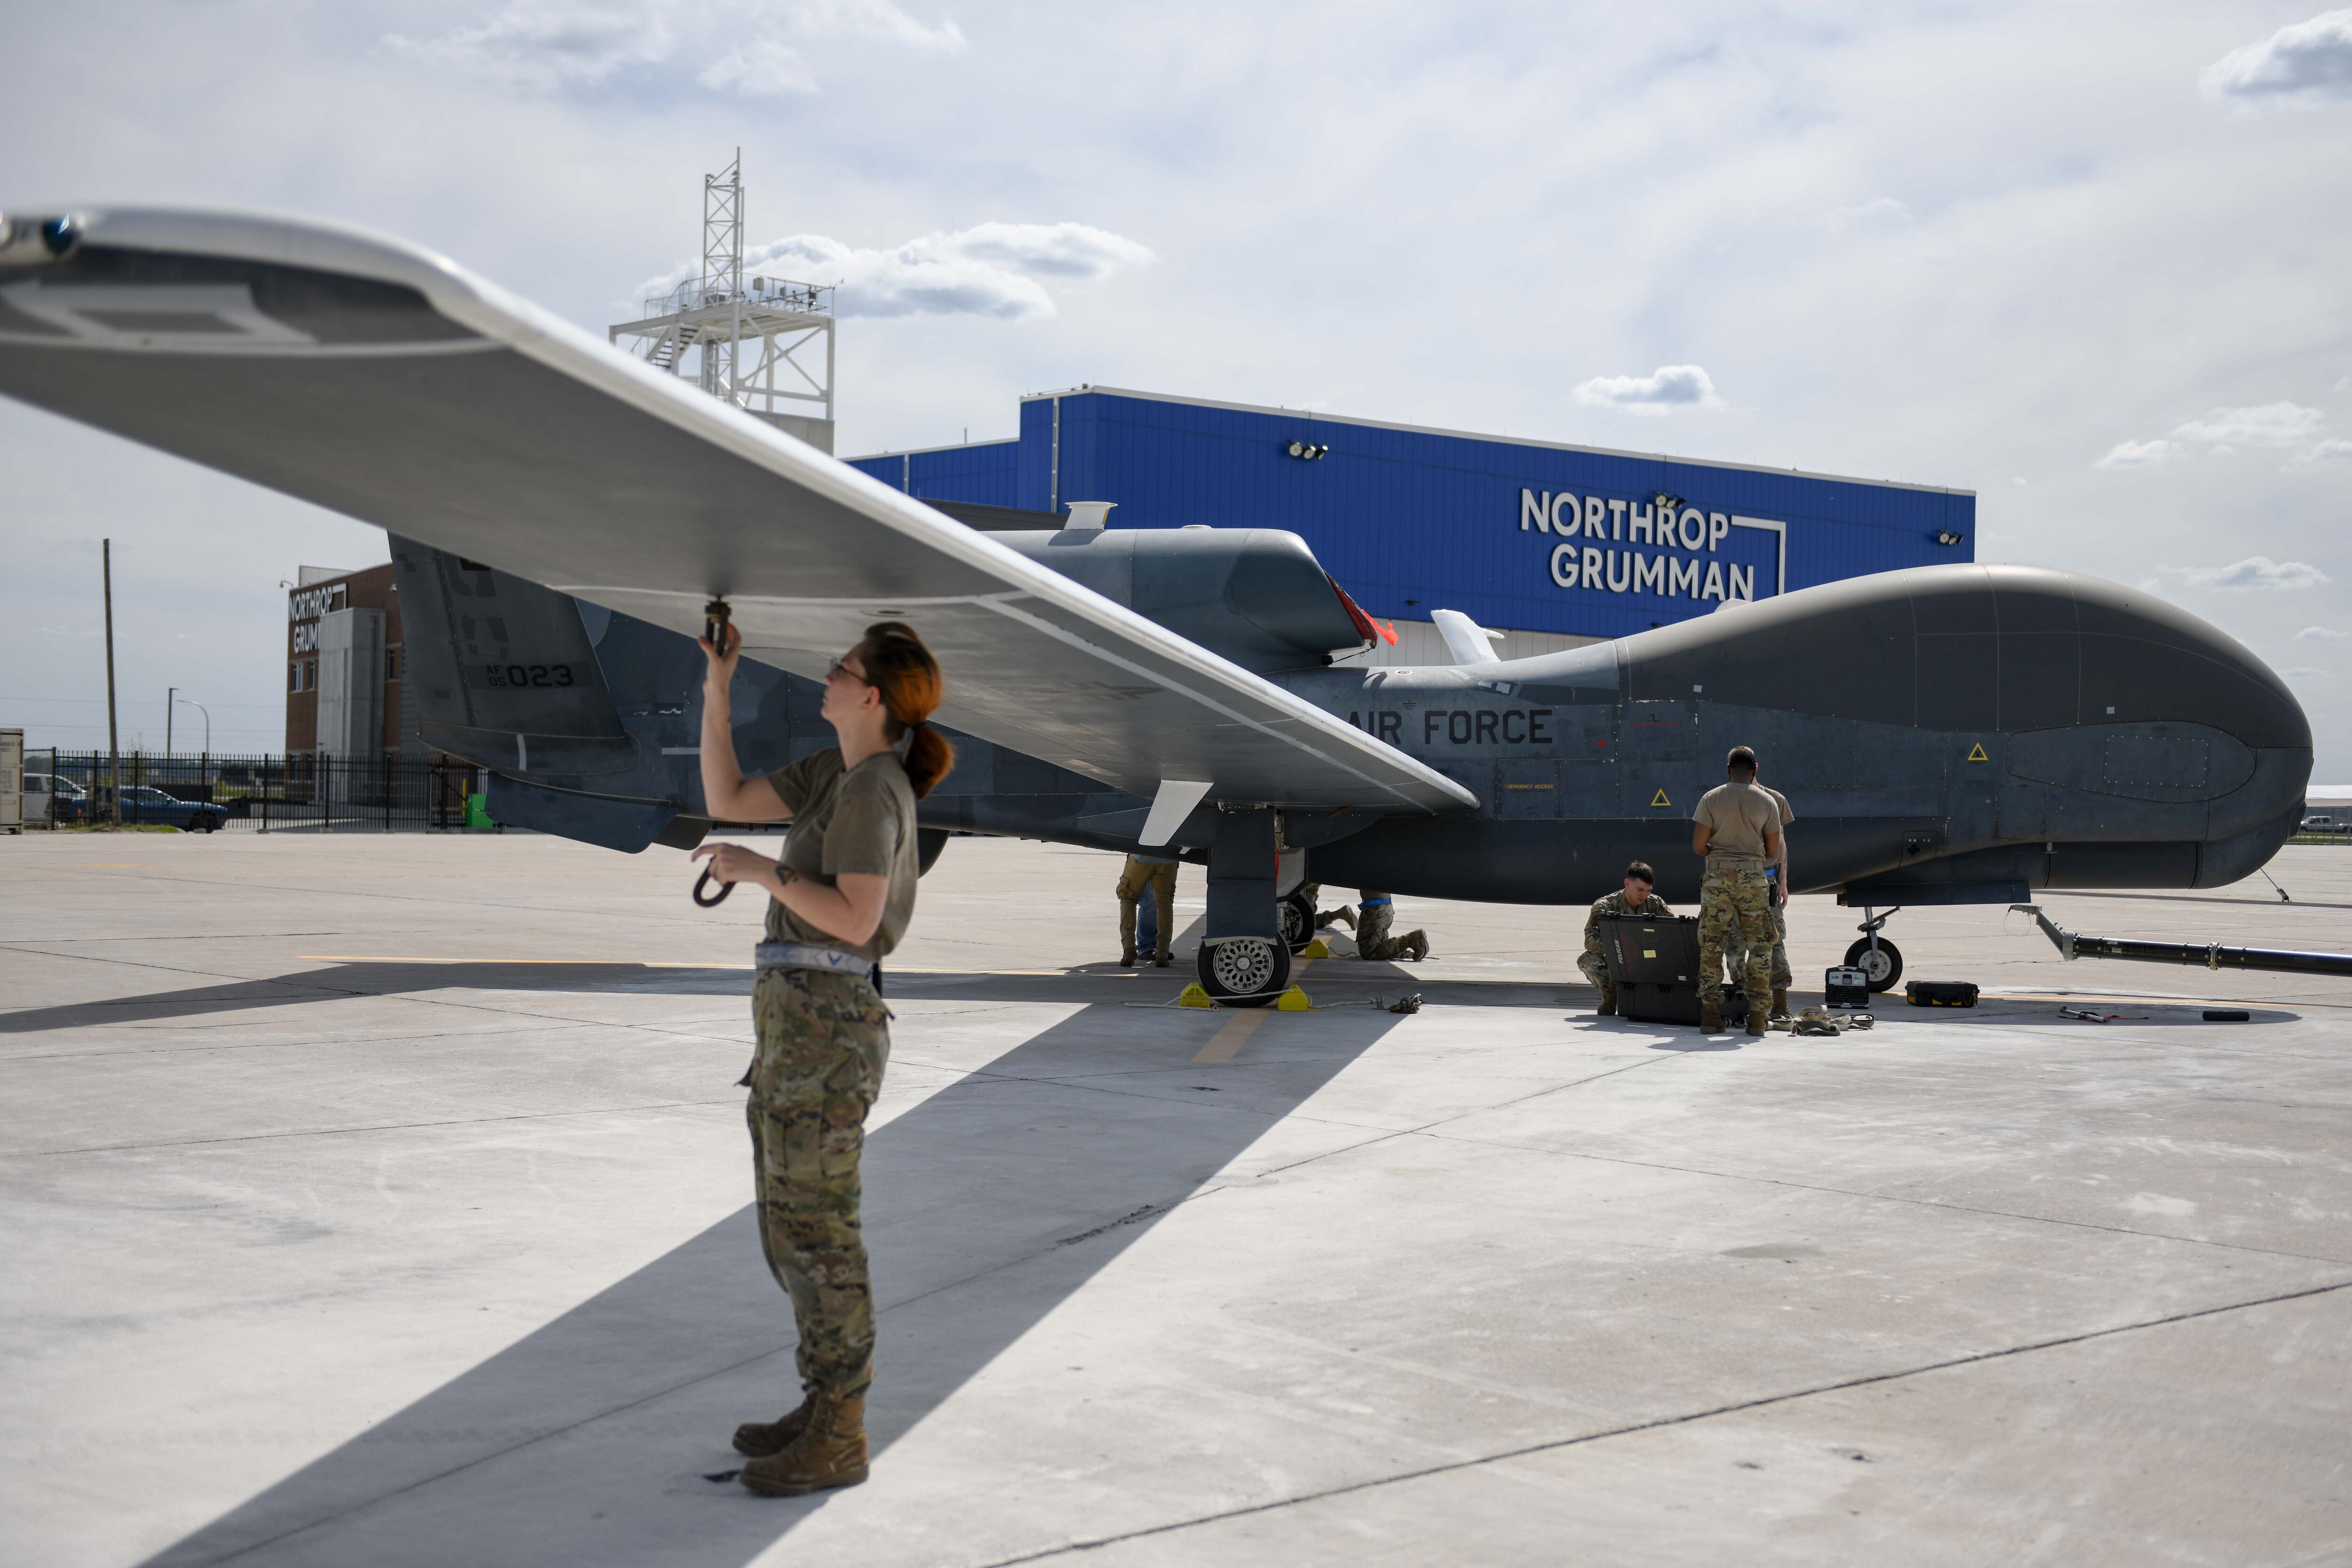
[[145, 803], [51, 797], [2326, 822]]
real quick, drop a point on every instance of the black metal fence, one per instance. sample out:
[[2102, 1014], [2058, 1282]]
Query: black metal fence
[[255, 794]]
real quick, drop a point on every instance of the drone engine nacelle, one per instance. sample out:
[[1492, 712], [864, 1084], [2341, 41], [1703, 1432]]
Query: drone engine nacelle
[[1255, 595]]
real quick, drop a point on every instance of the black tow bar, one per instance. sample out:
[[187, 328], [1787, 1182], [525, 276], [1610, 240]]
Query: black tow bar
[[2209, 955]]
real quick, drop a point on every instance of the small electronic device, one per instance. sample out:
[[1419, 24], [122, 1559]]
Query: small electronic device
[[1844, 987]]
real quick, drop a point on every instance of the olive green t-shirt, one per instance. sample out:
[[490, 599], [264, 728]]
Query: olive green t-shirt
[[858, 822], [1738, 815]]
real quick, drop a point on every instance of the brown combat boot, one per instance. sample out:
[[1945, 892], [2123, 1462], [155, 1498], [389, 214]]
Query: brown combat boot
[[761, 1438], [1126, 958], [1780, 1005], [1415, 946], [1608, 1008], [1710, 1017], [1755, 1021], [1160, 960], [829, 1452]]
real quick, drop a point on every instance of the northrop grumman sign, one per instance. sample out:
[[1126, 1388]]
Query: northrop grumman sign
[[304, 607], [1681, 558]]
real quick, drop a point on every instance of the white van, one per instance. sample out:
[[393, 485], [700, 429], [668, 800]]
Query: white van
[[50, 799]]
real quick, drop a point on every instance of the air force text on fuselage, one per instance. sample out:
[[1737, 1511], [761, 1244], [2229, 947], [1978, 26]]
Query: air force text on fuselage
[[1683, 541]]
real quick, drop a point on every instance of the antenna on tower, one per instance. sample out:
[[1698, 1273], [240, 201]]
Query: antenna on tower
[[743, 336]]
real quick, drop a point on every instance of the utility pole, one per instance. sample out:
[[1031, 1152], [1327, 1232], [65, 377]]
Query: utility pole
[[113, 746], [171, 697]]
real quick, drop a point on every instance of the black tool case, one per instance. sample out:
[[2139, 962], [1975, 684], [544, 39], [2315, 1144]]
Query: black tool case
[[1941, 993], [1654, 962]]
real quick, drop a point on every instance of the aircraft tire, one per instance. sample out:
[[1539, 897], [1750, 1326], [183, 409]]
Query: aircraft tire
[[1296, 917], [1244, 972], [1885, 971]]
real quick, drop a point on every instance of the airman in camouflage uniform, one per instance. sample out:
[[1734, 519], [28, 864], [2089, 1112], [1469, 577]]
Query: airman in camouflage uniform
[[1633, 898], [1375, 918], [840, 899], [1776, 876], [1738, 831]]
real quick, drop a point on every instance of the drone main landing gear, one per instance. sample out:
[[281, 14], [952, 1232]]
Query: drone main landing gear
[[1295, 915], [1244, 971], [1245, 957], [1875, 957]]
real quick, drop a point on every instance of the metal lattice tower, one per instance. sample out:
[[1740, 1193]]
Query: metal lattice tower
[[723, 268], [713, 318]]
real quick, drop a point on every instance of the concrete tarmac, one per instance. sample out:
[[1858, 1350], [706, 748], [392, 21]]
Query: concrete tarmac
[[382, 1200]]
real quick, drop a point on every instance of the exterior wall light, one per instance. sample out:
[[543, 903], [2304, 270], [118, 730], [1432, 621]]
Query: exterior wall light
[[1946, 536], [1305, 451]]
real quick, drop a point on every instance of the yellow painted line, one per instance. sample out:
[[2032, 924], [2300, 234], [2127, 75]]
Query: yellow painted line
[[1228, 1041], [1236, 1032]]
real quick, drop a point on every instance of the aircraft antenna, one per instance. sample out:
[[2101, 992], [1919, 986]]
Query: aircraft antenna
[[764, 344]]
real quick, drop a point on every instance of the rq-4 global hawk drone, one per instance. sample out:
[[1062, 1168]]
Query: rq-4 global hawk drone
[[562, 515]]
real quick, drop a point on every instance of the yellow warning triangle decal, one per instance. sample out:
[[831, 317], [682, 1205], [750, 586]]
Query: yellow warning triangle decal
[[1976, 754], [1662, 799]]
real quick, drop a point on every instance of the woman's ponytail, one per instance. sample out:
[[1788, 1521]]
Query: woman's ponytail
[[902, 669]]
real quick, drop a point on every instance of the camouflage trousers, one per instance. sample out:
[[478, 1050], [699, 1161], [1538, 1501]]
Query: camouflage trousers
[[1596, 969], [1374, 925], [823, 1040], [1734, 948], [1741, 902], [1134, 881]]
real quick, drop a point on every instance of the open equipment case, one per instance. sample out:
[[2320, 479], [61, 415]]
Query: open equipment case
[[1654, 962]]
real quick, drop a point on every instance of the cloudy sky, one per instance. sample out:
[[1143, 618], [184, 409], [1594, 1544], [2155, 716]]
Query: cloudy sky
[[2090, 260]]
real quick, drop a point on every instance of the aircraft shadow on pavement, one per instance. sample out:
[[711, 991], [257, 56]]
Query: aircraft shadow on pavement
[[987, 1205], [1089, 982]]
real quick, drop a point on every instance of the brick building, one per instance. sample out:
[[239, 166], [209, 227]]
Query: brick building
[[344, 695]]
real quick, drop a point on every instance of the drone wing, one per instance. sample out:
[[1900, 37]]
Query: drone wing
[[382, 380]]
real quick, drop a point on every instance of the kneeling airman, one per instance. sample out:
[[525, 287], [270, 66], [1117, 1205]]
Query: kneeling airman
[[1633, 898]]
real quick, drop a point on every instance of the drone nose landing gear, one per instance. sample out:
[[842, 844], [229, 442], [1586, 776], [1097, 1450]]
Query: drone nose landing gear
[[1876, 958]]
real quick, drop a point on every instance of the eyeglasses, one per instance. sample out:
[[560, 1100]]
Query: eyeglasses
[[841, 667]]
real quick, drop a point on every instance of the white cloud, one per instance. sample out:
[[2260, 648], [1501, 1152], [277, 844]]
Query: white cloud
[[988, 270], [2138, 455], [2305, 62], [1878, 213], [2304, 672], [2329, 452], [2019, 480], [2321, 634], [2267, 424], [754, 48], [761, 68], [1668, 387], [2255, 571]]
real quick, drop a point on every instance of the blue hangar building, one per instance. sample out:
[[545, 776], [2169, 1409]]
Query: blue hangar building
[[1551, 543]]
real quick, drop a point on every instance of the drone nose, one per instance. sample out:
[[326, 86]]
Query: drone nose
[[2149, 664], [2145, 661]]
